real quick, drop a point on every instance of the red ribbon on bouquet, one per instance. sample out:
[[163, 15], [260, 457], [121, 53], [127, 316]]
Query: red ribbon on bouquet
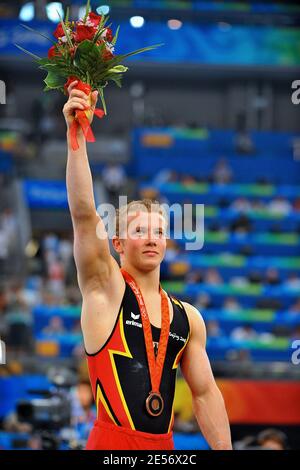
[[81, 117]]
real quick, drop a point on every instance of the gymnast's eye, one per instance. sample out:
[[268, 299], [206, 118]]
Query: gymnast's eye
[[140, 230]]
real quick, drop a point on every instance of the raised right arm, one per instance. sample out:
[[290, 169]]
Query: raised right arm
[[95, 265]]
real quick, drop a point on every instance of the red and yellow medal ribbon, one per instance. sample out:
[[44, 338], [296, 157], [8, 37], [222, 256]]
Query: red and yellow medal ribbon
[[155, 365]]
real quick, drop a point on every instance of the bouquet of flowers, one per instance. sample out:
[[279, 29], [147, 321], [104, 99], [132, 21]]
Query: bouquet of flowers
[[83, 51]]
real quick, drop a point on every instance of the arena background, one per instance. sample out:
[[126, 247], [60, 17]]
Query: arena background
[[212, 117]]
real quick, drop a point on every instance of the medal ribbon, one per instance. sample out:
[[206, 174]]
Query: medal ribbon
[[155, 365]]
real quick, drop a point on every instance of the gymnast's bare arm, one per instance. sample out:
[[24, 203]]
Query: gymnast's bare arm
[[99, 277], [208, 402]]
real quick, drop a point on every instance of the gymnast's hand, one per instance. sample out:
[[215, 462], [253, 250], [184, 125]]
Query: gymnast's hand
[[79, 101]]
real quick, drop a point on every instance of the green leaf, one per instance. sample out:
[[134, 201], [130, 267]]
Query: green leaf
[[38, 32], [36, 57], [87, 10], [54, 81], [117, 80], [100, 28], [65, 30], [105, 20], [44, 61], [67, 15], [118, 69], [138, 51], [101, 93], [116, 36], [87, 56]]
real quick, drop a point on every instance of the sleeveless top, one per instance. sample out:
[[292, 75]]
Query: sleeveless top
[[119, 371]]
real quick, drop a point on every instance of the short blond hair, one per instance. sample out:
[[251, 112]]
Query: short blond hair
[[141, 205]]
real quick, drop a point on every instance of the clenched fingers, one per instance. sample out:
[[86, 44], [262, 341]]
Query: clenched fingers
[[71, 86]]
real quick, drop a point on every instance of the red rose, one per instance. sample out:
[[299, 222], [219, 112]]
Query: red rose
[[107, 55], [95, 19], [59, 32], [84, 32], [52, 52], [109, 35]]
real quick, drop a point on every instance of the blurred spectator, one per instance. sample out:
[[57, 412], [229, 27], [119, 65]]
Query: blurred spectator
[[19, 323], [166, 176], [268, 439], [65, 251], [203, 301], [49, 298], [76, 328], [35, 442], [213, 277], [292, 282], [9, 225], [50, 242], [222, 173], [4, 251], [178, 270], [272, 277], [11, 423], [55, 326], [241, 205], [280, 205], [295, 334], [73, 295], [56, 276], [296, 206], [187, 180], [194, 277], [269, 303], [239, 281], [243, 142], [244, 333], [231, 305], [241, 224], [254, 277], [281, 331], [213, 329], [258, 205], [83, 413], [172, 250], [114, 179], [272, 439], [240, 356], [295, 307]]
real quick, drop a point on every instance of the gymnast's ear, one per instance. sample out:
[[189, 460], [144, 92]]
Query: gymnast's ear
[[118, 244]]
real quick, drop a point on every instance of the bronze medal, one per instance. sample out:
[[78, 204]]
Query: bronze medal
[[154, 404]]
